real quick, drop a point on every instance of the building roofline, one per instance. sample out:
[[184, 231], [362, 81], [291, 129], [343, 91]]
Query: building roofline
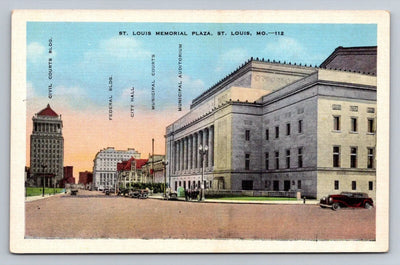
[[346, 50], [240, 71]]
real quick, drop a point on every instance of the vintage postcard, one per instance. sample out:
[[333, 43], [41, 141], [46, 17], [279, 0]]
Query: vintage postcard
[[199, 131]]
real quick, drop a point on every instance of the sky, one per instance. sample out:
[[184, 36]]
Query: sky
[[85, 56]]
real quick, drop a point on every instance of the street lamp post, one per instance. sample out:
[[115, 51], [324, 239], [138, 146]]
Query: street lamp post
[[165, 163], [202, 152], [44, 177]]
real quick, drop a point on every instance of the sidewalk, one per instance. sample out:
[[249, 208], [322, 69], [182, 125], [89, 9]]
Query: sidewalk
[[40, 197], [310, 201]]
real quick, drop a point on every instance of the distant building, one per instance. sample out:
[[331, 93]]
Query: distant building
[[131, 171], [85, 178], [47, 148], [105, 165], [154, 169], [68, 176], [282, 127]]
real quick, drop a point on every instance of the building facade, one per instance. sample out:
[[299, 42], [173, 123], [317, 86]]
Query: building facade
[[86, 178], [105, 166], [68, 176], [279, 127], [154, 169], [47, 148], [131, 171]]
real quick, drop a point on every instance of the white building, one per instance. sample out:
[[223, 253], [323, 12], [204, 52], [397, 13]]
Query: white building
[[105, 165]]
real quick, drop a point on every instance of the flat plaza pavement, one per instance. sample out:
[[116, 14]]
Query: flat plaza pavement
[[91, 214]]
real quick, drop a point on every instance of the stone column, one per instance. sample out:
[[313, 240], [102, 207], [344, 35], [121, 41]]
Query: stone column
[[206, 141], [178, 157], [211, 147], [190, 150], [184, 153], [200, 141], [181, 155], [194, 150]]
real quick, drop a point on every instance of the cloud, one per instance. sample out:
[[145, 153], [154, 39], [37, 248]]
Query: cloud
[[289, 50], [35, 52], [69, 91], [231, 58], [30, 91], [123, 48]]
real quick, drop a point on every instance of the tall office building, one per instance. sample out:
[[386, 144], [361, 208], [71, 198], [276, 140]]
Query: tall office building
[[47, 148]]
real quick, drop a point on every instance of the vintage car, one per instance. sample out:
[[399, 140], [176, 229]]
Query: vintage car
[[347, 199]]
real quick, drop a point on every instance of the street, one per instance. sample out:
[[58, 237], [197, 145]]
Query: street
[[91, 214]]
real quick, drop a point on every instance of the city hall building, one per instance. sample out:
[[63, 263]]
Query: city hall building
[[282, 127]]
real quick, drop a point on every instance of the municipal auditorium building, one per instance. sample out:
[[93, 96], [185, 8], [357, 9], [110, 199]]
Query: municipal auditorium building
[[282, 127]]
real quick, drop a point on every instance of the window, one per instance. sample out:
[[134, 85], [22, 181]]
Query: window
[[266, 161], [300, 157], [247, 162], [276, 159], [247, 184], [288, 158], [336, 184], [336, 123], [288, 129], [353, 185], [247, 135], [336, 156], [354, 124], [267, 134], [277, 132], [300, 126], [370, 185], [299, 184], [370, 162], [353, 157], [371, 125]]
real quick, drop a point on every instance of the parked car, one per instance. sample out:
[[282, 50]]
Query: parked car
[[347, 199]]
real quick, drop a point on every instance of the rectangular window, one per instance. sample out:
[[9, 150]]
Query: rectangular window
[[371, 125], [336, 123], [266, 161], [353, 157], [370, 162], [300, 126], [277, 160], [370, 185], [247, 184], [277, 132], [353, 185], [247, 135], [336, 156], [267, 134], [288, 129], [336, 184], [354, 124], [300, 157], [247, 162], [299, 184], [288, 158]]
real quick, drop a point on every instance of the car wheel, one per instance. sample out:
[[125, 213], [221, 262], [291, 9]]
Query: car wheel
[[367, 206], [335, 206]]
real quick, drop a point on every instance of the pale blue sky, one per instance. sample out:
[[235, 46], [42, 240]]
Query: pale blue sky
[[86, 54]]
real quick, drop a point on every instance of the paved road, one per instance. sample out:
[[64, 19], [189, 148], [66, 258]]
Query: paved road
[[94, 215]]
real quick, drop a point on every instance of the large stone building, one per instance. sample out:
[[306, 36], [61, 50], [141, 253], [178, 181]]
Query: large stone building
[[105, 165], [279, 127], [130, 172], [47, 148]]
